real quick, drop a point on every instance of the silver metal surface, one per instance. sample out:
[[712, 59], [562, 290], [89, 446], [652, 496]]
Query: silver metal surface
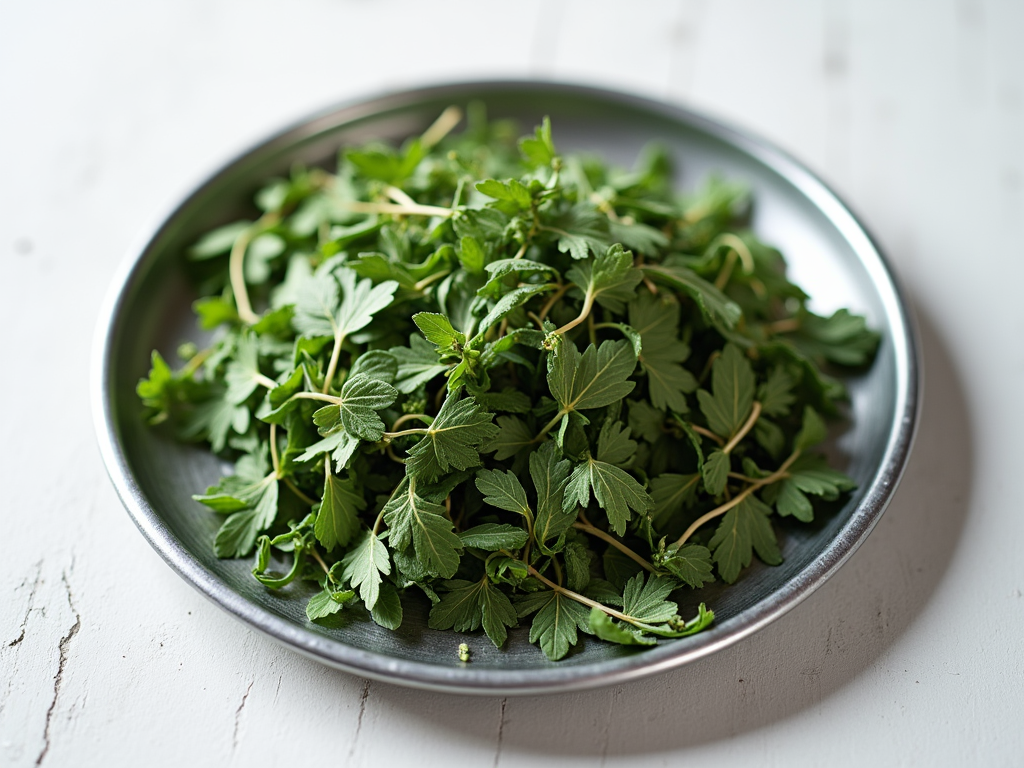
[[830, 254]]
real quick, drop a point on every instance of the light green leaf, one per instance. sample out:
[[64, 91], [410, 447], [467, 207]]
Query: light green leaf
[[597, 378], [363, 566], [411, 518], [714, 304], [743, 529], [715, 472], [611, 279], [691, 564], [504, 491], [728, 404], [550, 475], [338, 517], [617, 492], [494, 536], [453, 440]]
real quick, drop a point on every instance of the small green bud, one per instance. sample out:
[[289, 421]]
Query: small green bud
[[187, 351], [463, 652]]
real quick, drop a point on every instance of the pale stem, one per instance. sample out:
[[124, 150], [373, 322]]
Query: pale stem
[[294, 489], [359, 206], [587, 528], [441, 127], [588, 303], [236, 272], [265, 381], [333, 365], [274, 459], [788, 325], [404, 432], [578, 597], [755, 412], [430, 279], [549, 425], [553, 300], [776, 475], [409, 417], [316, 396], [399, 196], [316, 556]]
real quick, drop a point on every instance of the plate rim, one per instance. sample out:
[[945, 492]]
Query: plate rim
[[491, 682]]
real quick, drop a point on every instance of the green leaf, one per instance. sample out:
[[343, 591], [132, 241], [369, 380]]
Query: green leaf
[[614, 445], [714, 304], [691, 564], [327, 603], [338, 517], [361, 397], [243, 373], [672, 493], [494, 536], [498, 270], [511, 191], [656, 319], [602, 625], [411, 518], [611, 279], [510, 301], [453, 440], [843, 338], [504, 491], [646, 602], [538, 151], [417, 365], [597, 378], [645, 421], [776, 393], [812, 431], [237, 535], [744, 529], [550, 475], [471, 255], [438, 330], [556, 623], [513, 436], [387, 611], [616, 491], [715, 472], [728, 404], [364, 566], [335, 303], [469, 605], [340, 445]]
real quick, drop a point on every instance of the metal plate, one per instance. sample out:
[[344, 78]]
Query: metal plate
[[830, 255]]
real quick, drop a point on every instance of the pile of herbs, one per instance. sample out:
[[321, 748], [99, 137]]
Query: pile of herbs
[[527, 387]]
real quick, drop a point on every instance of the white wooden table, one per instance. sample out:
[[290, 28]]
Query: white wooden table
[[911, 655]]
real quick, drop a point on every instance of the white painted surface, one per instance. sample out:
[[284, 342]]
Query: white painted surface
[[909, 656]]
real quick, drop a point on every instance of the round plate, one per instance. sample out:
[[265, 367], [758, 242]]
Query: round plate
[[830, 254]]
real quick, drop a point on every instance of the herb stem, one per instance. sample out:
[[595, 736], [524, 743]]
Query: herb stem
[[755, 412], [274, 458], [332, 366], [396, 209], [295, 489], [577, 596], [721, 510], [548, 426], [553, 299], [316, 396], [441, 127], [398, 196], [236, 265], [316, 556], [409, 417], [404, 432], [265, 381], [430, 279], [588, 303], [607, 537], [788, 325]]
